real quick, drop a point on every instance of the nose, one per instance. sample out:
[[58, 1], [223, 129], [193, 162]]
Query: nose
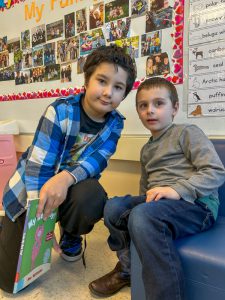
[[107, 92], [150, 109]]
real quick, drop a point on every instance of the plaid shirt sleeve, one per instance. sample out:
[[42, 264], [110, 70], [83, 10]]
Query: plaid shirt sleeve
[[43, 153]]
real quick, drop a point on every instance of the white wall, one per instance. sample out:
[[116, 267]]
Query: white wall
[[28, 112]]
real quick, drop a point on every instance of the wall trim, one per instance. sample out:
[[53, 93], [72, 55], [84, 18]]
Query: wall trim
[[129, 146]]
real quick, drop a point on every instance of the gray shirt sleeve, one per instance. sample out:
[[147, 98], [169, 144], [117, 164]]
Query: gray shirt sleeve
[[209, 171], [143, 181]]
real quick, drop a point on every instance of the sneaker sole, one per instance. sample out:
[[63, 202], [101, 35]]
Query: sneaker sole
[[71, 258]]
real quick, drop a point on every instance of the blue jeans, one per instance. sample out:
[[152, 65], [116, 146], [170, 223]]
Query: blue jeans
[[152, 227]]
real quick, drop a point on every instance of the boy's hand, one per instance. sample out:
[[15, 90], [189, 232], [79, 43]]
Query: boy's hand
[[56, 246], [53, 193], [157, 193]]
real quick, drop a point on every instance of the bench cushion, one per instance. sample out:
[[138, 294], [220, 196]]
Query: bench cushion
[[203, 255]]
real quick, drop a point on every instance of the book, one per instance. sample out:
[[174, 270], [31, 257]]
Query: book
[[35, 251]]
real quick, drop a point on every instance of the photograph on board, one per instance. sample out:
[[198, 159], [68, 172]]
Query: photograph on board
[[37, 74], [118, 29], [27, 61], [22, 77], [96, 15], [7, 74], [38, 35], [65, 72], [54, 30], [38, 56], [138, 8], [69, 25], [157, 65], [52, 72], [81, 20], [25, 39], [151, 43], [49, 54], [117, 9]]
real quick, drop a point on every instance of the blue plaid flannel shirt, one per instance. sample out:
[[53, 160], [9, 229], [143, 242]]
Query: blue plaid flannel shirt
[[55, 136]]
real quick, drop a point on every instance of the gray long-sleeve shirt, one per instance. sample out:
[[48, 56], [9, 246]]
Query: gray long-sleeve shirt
[[184, 159]]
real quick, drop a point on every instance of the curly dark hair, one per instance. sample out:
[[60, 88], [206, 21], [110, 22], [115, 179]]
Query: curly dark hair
[[159, 82], [112, 54]]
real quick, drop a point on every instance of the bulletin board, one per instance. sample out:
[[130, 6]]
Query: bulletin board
[[44, 44], [26, 102]]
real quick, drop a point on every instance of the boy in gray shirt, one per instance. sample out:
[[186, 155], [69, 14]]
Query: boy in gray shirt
[[181, 173]]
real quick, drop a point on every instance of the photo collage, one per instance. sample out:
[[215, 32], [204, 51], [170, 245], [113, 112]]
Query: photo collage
[[49, 51]]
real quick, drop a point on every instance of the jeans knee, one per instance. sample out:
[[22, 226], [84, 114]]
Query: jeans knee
[[138, 222], [113, 210]]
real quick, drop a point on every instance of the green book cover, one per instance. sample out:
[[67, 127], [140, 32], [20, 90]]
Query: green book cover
[[35, 251]]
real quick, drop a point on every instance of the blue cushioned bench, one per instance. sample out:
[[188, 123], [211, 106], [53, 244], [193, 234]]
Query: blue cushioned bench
[[202, 256]]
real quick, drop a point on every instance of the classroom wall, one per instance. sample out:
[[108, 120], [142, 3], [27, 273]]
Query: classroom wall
[[122, 174], [28, 112]]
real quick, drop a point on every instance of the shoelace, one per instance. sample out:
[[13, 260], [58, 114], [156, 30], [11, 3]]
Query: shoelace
[[85, 246]]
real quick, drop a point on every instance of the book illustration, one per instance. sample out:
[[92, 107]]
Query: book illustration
[[35, 252], [37, 244]]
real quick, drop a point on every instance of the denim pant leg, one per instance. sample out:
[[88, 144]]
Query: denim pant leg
[[116, 214], [153, 226]]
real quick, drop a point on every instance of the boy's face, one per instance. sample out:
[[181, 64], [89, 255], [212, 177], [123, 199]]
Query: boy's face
[[155, 110], [104, 90]]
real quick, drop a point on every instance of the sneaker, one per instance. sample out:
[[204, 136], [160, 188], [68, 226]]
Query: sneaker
[[71, 247]]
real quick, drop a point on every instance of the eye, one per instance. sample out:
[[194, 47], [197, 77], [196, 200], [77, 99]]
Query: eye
[[102, 81], [118, 87], [159, 103], [142, 106]]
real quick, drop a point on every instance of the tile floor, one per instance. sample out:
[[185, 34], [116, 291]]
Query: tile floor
[[70, 280]]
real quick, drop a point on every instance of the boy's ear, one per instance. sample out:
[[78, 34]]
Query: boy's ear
[[175, 108]]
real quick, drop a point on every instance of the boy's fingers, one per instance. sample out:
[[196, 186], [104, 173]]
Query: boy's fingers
[[41, 205], [150, 196], [158, 197], [48, 208], [56, 246]]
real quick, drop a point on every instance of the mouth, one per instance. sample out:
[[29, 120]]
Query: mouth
[[151, 121], [103, 102]]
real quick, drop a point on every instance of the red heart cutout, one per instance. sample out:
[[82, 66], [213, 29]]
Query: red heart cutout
[[71, 91], [180, 74], [179, 28], [180, 80], [178, 40], [180, 61], [177, 34], [45, 94], [178, 19], [174, 79], [40, 94], [63, 92], [177, 54], [179, 10], [177, 68]]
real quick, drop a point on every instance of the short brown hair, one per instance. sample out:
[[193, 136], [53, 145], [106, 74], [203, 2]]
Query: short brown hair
[[159, 82]]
